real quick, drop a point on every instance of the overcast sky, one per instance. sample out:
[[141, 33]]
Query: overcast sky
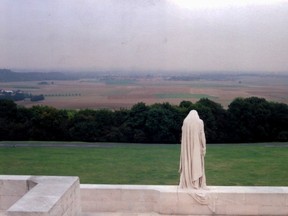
[[144, 35]]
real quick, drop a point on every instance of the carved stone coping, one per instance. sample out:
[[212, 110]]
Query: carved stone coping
[[39, 196]]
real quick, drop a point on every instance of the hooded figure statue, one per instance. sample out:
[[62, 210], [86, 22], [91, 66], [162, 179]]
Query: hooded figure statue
[[193, 150]]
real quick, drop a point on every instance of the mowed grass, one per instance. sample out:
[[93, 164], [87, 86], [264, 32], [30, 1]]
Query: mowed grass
[[254, 165]]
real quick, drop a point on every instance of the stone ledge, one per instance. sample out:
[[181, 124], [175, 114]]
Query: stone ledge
[[171, 200], [40, 195], [60, 196]]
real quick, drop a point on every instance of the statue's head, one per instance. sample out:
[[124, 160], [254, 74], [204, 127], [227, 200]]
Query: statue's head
[[193, 114]]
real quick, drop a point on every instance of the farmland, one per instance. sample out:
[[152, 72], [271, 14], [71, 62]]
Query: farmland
[[124, 91]]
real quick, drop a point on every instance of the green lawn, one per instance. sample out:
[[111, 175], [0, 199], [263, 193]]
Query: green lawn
[[150, 164]]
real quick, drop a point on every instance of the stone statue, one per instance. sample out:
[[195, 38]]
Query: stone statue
[[193, 150]]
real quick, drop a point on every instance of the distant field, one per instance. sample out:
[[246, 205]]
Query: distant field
[[125, 93], [184, 96], [249, 165]]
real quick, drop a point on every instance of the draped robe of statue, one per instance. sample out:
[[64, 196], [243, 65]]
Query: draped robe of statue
[[193, 150]]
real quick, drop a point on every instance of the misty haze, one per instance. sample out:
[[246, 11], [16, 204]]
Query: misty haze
[[144, 35], [113, 54]]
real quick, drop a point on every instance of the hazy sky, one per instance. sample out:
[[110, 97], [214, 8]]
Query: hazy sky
[[144, 35]]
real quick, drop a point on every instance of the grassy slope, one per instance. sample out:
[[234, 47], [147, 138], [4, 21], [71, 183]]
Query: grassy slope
[[225, 165]]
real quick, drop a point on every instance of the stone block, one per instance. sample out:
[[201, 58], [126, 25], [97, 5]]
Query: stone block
[[242, 209], [228, 198], [139, 195], [57, 210], [273, 210], [34, 203], [101, 195], [13, 187], [51, 196], [7, 201], [270, 199]]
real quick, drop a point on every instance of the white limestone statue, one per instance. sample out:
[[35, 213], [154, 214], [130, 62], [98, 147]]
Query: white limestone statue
[[193, 150]]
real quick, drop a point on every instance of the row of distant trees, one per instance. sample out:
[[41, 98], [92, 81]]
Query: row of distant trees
[[245, 120], [19, 95]]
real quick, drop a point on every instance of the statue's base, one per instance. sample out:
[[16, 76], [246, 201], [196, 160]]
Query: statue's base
[[171, 200]]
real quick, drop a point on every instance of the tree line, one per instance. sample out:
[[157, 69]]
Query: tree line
[[19, 95], [245, 120]]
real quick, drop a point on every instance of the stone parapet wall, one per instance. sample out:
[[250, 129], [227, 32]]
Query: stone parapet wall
[[39, 196], [64, 196], [170, 200]]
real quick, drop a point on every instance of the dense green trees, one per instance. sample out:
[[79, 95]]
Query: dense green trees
[[47, 123], [246, 120], [256, 120]]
